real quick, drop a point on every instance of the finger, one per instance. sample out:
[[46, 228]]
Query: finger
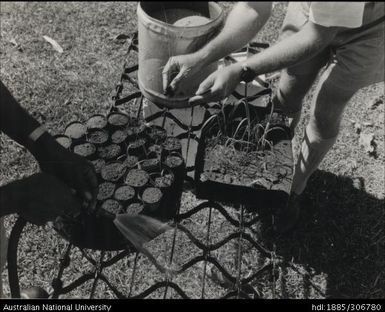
[[167, 72], [199, 99], [206, 85], [174, 85], [92, 191], [208, 96], [196, 100]]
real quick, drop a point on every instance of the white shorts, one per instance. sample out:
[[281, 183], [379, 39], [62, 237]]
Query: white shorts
[[355, 58]]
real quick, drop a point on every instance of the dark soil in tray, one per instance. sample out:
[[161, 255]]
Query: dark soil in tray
[[130, 161], [156, 134], [98, 137], [269, 170], [113, 172], [172, 144], [163, 181], [75, 130], [97, 122], [109, 152], [137, 131], [134, 208], [150, 165], [152, 195], [112, 206], [154, 151], [63, 140], [118, 120], [173, 161], [246, 173], [98, 164], [124, 193], [119, 136], [137, 178], [151, 198], [86, 150], [106, 190], [137, 148]]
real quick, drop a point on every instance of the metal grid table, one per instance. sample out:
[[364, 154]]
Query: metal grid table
[[237, 286]]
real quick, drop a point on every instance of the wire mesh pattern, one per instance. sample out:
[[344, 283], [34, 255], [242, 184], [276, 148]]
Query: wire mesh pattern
[[201, 262]]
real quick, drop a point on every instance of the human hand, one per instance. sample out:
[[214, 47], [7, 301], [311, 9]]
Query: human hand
[[178, 69], [218, 85], [41, 198], [72, 169]]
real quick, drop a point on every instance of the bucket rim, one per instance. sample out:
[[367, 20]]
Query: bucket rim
[[213, 21]]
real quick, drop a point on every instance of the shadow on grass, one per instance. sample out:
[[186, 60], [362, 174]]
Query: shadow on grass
[[340, 235]]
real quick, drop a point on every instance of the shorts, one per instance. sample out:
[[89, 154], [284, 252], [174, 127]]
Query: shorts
[[355, 59]]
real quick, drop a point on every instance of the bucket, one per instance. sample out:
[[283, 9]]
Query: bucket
[[167, 29]]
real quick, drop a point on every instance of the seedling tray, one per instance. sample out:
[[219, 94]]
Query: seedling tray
[[119, 165], [233, 174]]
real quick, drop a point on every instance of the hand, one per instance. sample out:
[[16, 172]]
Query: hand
[[41, 198], [218, 85], [70, 168], [180, 68]]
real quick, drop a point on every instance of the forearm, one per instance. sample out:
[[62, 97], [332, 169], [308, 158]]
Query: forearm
[[242, 24], [14, 120], [18, 125], [292, 50], [8, 197]]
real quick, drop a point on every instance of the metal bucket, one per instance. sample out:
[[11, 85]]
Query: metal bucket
[[160, 37]]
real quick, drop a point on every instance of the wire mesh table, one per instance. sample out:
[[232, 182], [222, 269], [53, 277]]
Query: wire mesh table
[[203, 264]]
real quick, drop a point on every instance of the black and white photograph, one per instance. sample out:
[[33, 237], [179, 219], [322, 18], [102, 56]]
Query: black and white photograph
[[192, 150]]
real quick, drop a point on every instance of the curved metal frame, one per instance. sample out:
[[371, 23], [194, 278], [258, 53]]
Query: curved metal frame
[[13, 243]]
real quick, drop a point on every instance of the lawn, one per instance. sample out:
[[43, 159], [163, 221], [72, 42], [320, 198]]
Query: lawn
[[338, 249]]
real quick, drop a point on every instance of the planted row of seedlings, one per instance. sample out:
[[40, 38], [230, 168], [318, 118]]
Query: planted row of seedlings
[[137, 165]]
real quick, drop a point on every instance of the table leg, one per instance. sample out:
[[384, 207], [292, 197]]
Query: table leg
[[3, 252]]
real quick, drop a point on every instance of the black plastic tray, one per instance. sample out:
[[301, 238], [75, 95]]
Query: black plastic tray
[[257, 196], [98, 232]]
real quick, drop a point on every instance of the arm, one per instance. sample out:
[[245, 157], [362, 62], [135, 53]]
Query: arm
[[295, 49], [38, 198], [300, 47], [18, 125], [242, 24], [14, 120], [72, 169], [6, 193]]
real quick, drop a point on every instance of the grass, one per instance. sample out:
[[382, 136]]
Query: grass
[[338, 248]]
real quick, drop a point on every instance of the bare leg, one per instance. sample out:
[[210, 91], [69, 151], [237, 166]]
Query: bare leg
[[295, 83], [290, 93], [321, 133]]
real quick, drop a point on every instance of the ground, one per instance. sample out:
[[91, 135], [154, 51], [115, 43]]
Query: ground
[[337, 251]]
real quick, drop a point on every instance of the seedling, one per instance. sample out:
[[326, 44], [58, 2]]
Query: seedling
[[241, 155]]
